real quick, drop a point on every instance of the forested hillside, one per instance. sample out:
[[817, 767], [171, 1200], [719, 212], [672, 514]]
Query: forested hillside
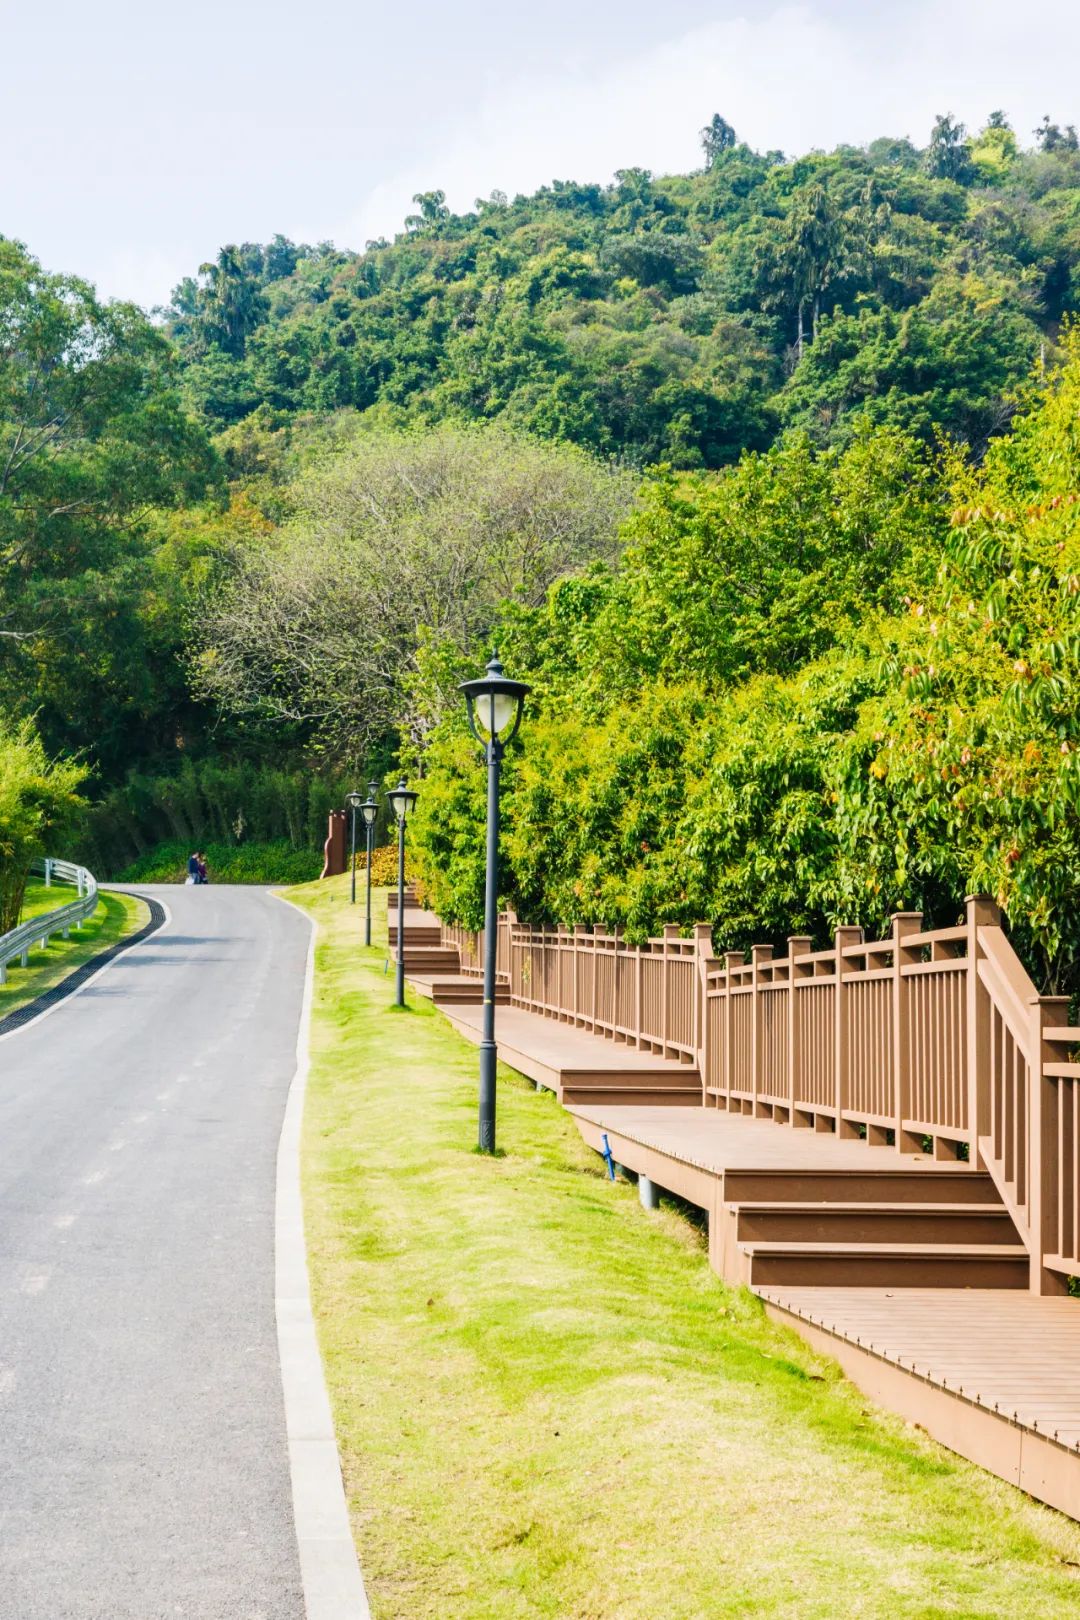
[[698, 449], [682, 318]]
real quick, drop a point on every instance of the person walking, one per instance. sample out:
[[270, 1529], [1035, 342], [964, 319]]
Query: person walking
[[204, 876], [192, 868]]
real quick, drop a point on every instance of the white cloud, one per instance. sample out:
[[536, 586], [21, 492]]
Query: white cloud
[[792, 78]]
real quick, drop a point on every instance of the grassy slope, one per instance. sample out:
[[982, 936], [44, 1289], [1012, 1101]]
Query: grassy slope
[[546, 1403], [116, 916]]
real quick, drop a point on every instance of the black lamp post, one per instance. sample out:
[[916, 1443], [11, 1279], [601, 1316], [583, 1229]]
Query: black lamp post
[[369, 810], [494, 706], [354, 802], [401, 800]]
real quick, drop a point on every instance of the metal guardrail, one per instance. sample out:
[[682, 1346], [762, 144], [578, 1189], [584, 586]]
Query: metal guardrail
[[37, 931]]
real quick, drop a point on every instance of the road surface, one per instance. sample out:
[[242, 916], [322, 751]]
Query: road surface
[[143, 1465]]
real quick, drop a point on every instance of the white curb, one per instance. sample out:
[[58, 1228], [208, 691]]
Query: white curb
[[329, 1569]]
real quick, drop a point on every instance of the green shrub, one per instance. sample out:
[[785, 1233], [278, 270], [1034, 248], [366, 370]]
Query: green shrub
[[227, 803], [39, 806], [274, 862]]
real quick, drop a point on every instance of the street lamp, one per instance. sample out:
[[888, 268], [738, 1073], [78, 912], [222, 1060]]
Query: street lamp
[[354, 802], [369, 810], [401, 801], [494, 706]]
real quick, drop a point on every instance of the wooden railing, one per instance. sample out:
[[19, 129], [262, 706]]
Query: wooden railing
[[469, 943], [927, 1041], [865, 1039], [1029, 1121], [647, 995]]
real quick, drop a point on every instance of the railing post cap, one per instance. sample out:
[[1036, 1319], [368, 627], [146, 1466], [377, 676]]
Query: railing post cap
[[672, 931]]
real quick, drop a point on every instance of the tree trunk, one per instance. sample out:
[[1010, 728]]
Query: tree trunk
[[799, 339]]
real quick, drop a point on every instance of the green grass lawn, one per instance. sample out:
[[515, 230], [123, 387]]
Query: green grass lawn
[[117, 915], [548, 1405]]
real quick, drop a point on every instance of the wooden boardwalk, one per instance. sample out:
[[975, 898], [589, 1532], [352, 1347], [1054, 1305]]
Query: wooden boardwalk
[[908, 1269], [577, 1065], [993, 1374]]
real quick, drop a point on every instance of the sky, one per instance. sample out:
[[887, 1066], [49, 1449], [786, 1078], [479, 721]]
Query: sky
[[140, 138]]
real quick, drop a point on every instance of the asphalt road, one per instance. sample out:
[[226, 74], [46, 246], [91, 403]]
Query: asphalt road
[[143, 1464]]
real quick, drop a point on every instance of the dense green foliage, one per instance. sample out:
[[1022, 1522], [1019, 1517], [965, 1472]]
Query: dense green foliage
[[908, 733], [392, 543], [141, 825], [39, 804], [95, 448], [280, 524], [274, 861], [683, 318]]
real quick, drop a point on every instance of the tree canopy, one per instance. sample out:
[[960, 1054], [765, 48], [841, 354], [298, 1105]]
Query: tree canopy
[[677, 318]]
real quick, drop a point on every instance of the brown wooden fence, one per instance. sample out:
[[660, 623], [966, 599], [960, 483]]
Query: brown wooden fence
[[926, 1041]]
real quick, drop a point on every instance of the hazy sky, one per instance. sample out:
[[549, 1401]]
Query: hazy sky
[[137, 138]]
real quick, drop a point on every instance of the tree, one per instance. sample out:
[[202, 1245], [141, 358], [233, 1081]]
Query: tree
[[230, 302], [948, 156], [39, 808], [433, 210], [1052, 138], [717, 138], [813, 254], [401, 539], [92, 436], [995, 151]]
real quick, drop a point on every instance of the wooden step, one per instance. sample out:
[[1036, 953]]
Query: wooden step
[[465, 992], [428, 937], [896, 1265], [946, 1224], [645, 1089], [874, 1185], [430, 959]]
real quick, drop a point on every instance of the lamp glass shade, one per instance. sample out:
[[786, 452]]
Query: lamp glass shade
[[354, 800], [369, 811], [495, 703], [401, 800]]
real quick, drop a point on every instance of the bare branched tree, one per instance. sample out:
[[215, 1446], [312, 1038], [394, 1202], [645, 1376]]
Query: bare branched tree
[[398, 539]]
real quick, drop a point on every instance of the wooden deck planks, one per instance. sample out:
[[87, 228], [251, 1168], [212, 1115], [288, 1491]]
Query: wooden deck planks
[[563, 1048], [1013, 1354], [716, 1141]]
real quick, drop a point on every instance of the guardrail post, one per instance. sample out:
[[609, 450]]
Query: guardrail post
[[845, 937], [981, 912], [732, 959], [797, 945], [904, 923], [1044, 1147], [702, 959], [671, 931], [48, 873], [759, 954]]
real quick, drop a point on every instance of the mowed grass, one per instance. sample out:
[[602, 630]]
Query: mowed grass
[[548, 1405], [117, 915]]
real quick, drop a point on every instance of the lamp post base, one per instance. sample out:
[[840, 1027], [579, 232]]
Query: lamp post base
[[488, 1060]]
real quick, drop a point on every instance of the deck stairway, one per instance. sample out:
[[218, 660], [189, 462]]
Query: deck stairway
[[903, 1230], [884, 1136]]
